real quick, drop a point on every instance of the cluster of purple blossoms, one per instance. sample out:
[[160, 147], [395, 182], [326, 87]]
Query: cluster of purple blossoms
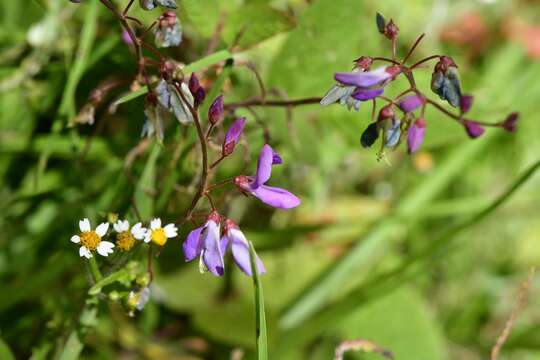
[[207, 243], [366, 84]]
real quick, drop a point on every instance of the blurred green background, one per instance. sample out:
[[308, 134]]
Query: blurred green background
[[374, 252]]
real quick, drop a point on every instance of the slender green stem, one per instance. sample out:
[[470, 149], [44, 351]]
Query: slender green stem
[[95, 269], [260, 317]]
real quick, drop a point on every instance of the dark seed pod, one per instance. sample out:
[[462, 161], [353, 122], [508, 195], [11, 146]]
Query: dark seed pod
[[381, 23], [370, 135]]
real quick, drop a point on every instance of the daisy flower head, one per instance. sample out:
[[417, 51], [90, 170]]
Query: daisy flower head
[[125, 237], [158, 234], [90, 240]]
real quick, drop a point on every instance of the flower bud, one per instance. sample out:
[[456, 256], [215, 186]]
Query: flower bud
[[233, 136], [391, 30], [363, 63], [473, 128], [126, 38], [167, 69], [370, 135], [386, 112], [216, 110], [415, 137], [445, 81], [510, 123], [194, 83], [465, 103], [168, 32], [410, 103]]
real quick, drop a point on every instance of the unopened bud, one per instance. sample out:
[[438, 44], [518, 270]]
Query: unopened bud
[[216, 110]]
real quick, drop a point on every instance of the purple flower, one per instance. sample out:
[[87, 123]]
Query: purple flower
[[473, 128], [196, 89], [466, 103], [216, 110], [239, 245], [204, 242], [415, 137], [233, 136], [368, 78], [366, 94], [255, 185], [410, 103]]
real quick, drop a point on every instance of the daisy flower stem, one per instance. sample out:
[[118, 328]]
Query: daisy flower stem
[[95, 269]]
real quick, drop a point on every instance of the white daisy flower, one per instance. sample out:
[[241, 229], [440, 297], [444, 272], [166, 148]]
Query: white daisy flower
[[90, 240], [125, 238], [159, 234]]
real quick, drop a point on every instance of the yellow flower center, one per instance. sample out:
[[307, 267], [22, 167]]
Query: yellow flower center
[[159, 237], [125, 240], [90, 240]]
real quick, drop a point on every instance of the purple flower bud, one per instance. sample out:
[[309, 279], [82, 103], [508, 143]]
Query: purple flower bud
[[473, 128], [391, 30], [216, 110], [363, 63], [411, 103], [276, 158], [126, 38], [510, 123], [415, 137], [194, 84], [466, 103], [233, 136]]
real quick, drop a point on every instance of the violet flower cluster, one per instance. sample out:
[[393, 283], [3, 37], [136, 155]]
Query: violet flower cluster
[[403, 117]]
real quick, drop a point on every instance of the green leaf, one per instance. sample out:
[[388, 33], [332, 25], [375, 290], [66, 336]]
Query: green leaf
[[109, 279], [254, 23], [5, 351], [400, 322], [72, 348], [144, 192], [260, 317], [77, 69]]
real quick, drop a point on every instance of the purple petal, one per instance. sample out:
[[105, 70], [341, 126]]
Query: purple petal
[[212, 255], [415, 137], [236, 129], [264, 166], [366, 94], [126, 38], [473, 128], [276, 158], [240, 252], [276, 197], [410, 103], [193, 245], [223, 243], [363, 79]]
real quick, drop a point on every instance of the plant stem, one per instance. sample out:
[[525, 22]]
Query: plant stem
[[95, 269], [274, 103]]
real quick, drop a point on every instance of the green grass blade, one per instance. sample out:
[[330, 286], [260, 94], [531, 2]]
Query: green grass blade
[[260, 317]]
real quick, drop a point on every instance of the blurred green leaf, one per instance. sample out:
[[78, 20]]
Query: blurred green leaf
[[260, 315], [5, 352]]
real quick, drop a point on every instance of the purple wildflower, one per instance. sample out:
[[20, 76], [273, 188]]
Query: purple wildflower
[[239, 245], [368, 78], [473, 128], [255, 185], [216, 110], [410, 103], [415, 137], [204, 242], [233, 136]]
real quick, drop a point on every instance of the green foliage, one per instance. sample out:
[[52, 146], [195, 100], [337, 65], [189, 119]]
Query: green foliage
[[423, 256]]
